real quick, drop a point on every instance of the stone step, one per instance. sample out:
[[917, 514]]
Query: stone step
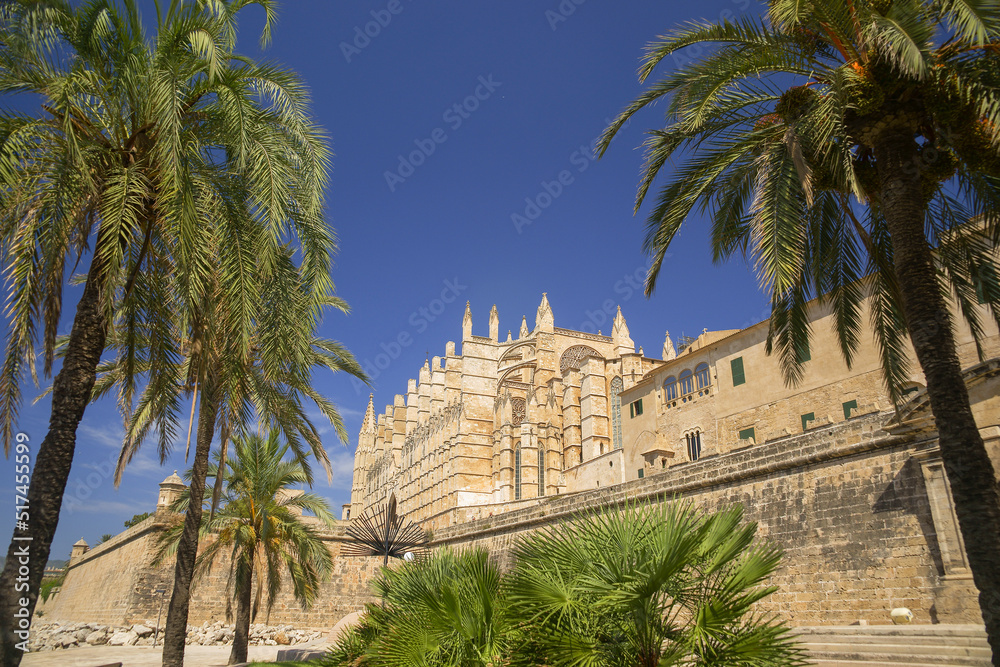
[[894, 646], [916, 640], [943, 630], [867, 663], [900, 656]]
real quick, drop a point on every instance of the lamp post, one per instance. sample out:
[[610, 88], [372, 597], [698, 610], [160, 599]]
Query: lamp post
[[162, 593]]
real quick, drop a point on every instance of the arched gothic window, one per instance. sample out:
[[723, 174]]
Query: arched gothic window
[[616, 412], [693, 445], [687, 382], [670, 388], [541, 470], [517, 473], [701, 375]]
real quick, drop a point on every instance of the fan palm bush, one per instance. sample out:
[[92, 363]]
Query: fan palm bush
[[850, 149], [640, 586], [260, 530], [447, 609], [170, 169], [649, 586]]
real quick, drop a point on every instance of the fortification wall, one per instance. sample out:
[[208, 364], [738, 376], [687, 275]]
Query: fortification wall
[[852, 505], [116, 583], [848, 504]]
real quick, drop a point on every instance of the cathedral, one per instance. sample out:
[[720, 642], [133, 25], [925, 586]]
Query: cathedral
[[506, 424]]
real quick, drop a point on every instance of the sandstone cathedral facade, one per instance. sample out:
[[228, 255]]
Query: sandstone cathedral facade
[[502, 423]]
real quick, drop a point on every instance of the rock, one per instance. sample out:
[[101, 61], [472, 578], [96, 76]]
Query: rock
[[118, 639], [63, 640], [270, 642], [282, 639], [96, 638], [142, 630]]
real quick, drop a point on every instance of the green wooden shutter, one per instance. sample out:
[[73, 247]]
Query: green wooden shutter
[[748, 433], [806, 418], [848, 407], [738, 376]]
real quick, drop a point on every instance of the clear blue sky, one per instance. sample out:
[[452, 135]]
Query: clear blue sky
[[548, 75]]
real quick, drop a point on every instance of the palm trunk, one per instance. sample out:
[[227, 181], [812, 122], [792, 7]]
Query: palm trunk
[[241, 633], [187, 548], [71, 393], [968, 466]]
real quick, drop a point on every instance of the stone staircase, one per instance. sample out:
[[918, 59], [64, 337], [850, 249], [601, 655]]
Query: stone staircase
[[896, 645]]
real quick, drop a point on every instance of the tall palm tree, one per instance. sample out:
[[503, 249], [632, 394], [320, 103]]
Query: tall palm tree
[[649, 586], [269, 385], [849, 149], [157, 163], [260, 527]]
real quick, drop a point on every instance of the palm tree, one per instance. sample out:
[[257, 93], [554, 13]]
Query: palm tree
[[849, 150], [647, 585], [269, 385], [259, 525], [158, 163], [448, 609]]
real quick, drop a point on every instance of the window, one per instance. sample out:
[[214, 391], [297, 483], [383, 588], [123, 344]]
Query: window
[[517, 473], [806, 418], [616, 413], [738, 376], [642, 473], [541, 471], [701, 376], [687, 382], [693, 445], [802, 352], [670, 388], [983, 281], [848, 407], [635, 408], [748, 434]]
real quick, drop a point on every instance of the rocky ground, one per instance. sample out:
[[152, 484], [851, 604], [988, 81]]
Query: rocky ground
[[52, 636]]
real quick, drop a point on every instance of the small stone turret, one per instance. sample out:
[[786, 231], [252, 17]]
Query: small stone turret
[[668, 348], [620, 336], [494, 324], [170, 490], [81, 547], [544, 320], [467, 323], [523, 333]]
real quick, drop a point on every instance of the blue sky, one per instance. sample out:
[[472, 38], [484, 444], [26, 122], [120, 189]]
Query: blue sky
[[430, 202]]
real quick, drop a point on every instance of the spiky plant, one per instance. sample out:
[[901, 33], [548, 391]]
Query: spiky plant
[[167, 166], [259, 527], [849, 150], [651, 586], [447, 610]]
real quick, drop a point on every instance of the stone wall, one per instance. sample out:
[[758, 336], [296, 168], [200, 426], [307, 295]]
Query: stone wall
[[115, 583], [860, 508], [847, 503]]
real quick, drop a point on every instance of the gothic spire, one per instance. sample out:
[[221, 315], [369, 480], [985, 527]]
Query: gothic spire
[[668, 349], [543, 318], [368, 423]]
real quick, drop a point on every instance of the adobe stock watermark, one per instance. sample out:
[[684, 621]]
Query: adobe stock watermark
[[579, 161], [626, 287], [363, 35], [101, 472], [21, 623], [419, 320], [455, 116], [694, 52], [562, 12]]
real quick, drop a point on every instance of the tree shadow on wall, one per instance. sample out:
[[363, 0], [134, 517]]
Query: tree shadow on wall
[[907, 493]]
